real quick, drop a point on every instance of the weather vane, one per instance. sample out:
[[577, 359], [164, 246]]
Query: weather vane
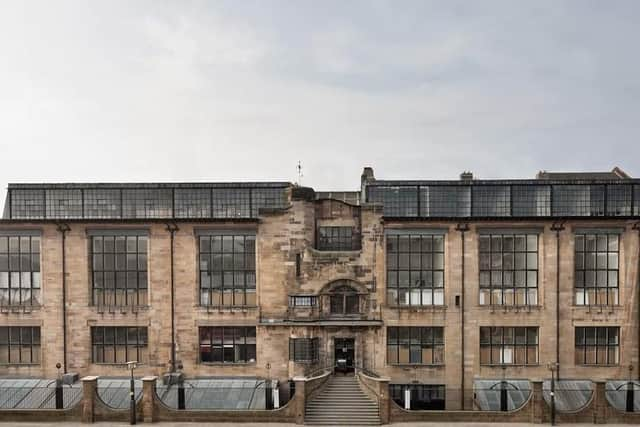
[[299, 173]]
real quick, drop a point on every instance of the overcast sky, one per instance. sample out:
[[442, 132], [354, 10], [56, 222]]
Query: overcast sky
[[242, 90]]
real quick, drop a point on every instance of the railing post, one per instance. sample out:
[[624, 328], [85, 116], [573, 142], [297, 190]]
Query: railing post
[[600, 409], [59, 394], [299, 399], [268, 395], [537, 402], [89, 391], [148, 398]]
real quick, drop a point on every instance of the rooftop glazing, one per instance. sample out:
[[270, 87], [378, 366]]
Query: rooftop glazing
[[142, 201], [551, 195]]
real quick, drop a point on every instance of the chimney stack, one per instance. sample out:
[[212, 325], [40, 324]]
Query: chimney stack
[[466, 176]]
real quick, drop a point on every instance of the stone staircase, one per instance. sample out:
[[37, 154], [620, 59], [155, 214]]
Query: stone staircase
[[342, 403]]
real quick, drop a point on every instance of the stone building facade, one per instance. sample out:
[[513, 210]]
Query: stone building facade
[[405, 279]]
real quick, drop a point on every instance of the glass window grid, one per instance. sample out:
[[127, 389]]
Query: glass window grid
[[27, 204], [445, 201], [147, 203], [64, 204], [619, 200], [102, 203], [20, 277], [344, 300], [119, 344], [530, 200], [338, 239], [303, 301], [268, 198], [597, 345], [305, 350], [491, 200], [508, 269], [119, 270], [415, 345], [597, 261], [19, 345], [578, 200], [508, 345], [227, 270], [415, 270], [227, 344], [423, 396], [526, 200], [397, 201], [192, 202], [231, 203]]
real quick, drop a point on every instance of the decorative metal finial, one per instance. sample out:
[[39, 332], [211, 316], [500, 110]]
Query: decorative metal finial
[[300, 175]]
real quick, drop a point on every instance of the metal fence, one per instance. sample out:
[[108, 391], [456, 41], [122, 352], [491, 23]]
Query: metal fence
[[623, 395], [569, 395], [115, 392], [230, 394], [38, 394]]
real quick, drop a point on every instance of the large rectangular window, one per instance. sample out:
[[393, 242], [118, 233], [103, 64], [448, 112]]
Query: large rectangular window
[[415, 345], [102, 203], [508, 269], [415, 270], [508, 346], [530, 200], [228, 270], [147, 203], [19, 270], [338, 239], [27, 204], [192, 202], [578, 200], [491, 200], [227, 344], [597, 346], [421, 396], [19, 345], [231, 203], [596, 269], [303, 349], [445, 201], [397, 201], [64, 204], [119, 270], [119, 344]]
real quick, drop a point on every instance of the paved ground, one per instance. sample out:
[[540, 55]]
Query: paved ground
[[283, 425]]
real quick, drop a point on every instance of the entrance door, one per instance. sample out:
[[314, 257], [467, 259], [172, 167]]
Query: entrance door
[[344, 354]]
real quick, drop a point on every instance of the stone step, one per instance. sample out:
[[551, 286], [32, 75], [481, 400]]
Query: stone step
[[342, 422], [359, 409], [342, 402], [338, 402]]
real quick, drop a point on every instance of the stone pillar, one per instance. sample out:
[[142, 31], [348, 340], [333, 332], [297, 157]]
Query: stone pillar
[[89, 395], [599, 403], [537, 403], [300, 399], [148, 398], [383, 399]]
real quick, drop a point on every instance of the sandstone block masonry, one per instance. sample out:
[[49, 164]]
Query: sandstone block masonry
[[337, 296]]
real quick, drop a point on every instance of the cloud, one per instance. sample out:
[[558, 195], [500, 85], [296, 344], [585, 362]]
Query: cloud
[[168, 90]]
